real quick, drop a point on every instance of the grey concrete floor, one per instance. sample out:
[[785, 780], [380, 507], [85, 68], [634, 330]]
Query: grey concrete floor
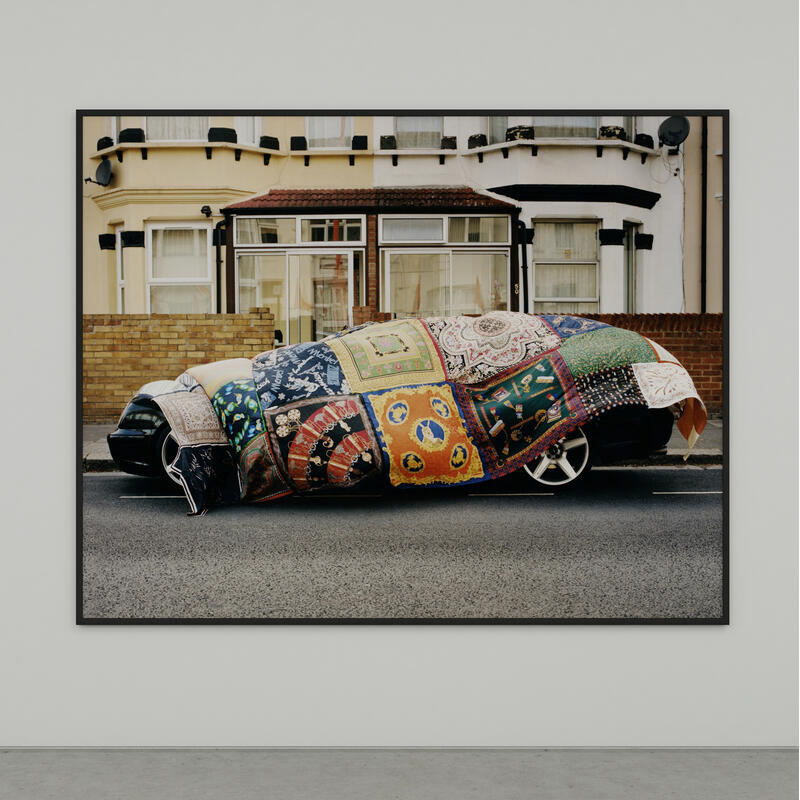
[[399, 774]]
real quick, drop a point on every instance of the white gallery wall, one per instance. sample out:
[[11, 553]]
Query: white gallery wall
[[348, 685]]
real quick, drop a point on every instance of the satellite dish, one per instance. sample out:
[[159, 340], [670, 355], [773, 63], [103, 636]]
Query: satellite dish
[[103, 175], [673, 130]]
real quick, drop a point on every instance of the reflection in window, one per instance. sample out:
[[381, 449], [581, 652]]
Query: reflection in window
[[329, 131], [261, 230], [477, 229], [480, 282], [262, 284], [330, 230], [418, 132], [582, 127], [419, 284], [177, 128]]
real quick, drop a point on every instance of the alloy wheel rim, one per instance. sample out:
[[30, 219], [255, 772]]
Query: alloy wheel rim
[[167, 461], [562, 462]]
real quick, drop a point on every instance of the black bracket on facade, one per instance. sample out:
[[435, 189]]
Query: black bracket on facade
[[441, 159], [615, 236], [119, 156], [306, 160], [352, 160], [394, 159], [480, 158], [599, 151], [237, 154], [266, 158], [534, 150], [625, 151], [144, 154], [132, 238], [504, 151], [108, 241], [644, 158], [208, 153]]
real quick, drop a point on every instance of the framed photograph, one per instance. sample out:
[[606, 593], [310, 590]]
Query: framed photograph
[[463, 367]]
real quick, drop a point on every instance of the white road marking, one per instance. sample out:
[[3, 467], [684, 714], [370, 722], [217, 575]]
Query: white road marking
[[151, 497], [714, 492], [511, 494]]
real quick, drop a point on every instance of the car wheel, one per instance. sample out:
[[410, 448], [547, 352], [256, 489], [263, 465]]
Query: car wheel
[[167, 450], [565, 462]]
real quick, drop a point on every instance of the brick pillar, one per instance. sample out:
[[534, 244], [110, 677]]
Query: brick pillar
[[373, 298]]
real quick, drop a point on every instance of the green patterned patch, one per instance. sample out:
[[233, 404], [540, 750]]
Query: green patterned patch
[[605, 348]]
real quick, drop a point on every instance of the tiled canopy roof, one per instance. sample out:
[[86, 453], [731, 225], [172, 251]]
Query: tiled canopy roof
[[381, 198]]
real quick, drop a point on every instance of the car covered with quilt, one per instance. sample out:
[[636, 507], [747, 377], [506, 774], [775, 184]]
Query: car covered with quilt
[[439, 401]]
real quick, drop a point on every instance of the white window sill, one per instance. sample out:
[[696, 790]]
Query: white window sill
[[185, 145]]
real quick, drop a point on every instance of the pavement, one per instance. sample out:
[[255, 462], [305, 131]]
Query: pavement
[[708, 449], [643, 542], [451, 773]]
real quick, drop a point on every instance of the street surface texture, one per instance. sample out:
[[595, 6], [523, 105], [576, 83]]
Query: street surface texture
[[630, 543]]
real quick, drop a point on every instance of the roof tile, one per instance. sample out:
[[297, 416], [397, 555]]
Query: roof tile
[[380, 198]]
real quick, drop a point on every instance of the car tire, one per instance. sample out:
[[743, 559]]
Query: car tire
[[166, 451], [564, 464]]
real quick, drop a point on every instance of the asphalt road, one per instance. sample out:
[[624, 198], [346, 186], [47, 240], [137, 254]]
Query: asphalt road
[[630, 543]]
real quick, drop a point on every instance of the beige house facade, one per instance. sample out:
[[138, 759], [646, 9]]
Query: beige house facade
[[316, 216]]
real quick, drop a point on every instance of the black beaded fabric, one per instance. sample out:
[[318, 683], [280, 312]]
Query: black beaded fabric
[[609, 388]]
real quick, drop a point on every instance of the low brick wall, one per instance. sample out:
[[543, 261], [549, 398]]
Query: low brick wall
[[123, 351], [694, 339]]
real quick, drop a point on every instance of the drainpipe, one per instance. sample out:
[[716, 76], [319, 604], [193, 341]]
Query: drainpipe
[[218, 229], [703, 213], [522, 233]]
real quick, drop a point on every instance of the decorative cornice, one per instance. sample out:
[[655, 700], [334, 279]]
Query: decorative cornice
[[220, 196]]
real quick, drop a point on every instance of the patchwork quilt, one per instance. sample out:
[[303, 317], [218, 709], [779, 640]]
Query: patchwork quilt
[[415, 402]]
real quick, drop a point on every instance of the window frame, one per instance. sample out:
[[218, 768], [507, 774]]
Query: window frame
[[445, 231], [183, 224], [302, 251], [631, 266], [417, 149], [148, 139], [532, 277], [489, 128], [348, 146], [361, 243], [385, 270]]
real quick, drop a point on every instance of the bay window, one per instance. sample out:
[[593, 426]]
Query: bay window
[[565, 267], [179, 274], [178, 128], [329, 132], [578, 127], [418, 132]]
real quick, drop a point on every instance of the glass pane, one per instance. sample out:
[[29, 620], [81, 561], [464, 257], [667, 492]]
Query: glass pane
[[262, 284], [630, 267], [414, 229], [330, 230], [319, 296], [565, 126], [497, 129], [246, 129], [565, 240], [177, 128], [180, 253], [259, 230], [330, 131], [480, 283], [565, 308], [419, 284], [419, 132], [566, 280], [180, 299], [477, 229]]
